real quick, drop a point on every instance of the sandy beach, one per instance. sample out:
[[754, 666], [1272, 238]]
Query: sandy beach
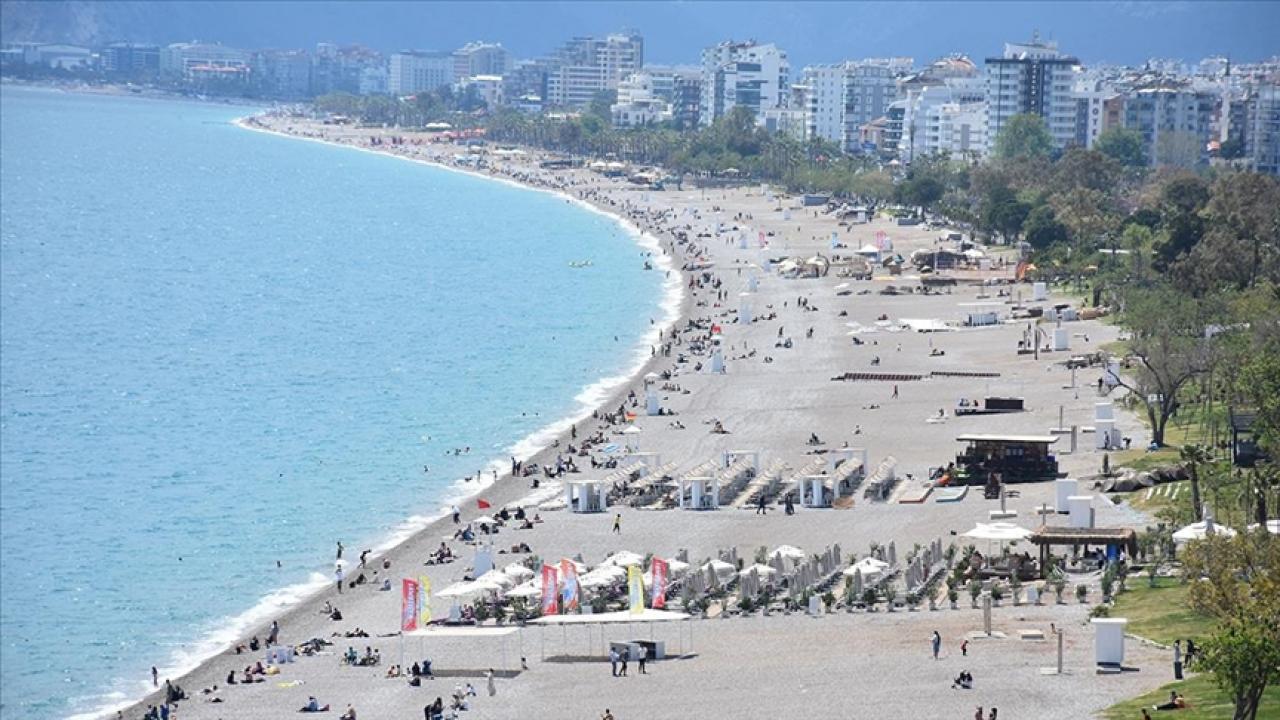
[[776, 391]]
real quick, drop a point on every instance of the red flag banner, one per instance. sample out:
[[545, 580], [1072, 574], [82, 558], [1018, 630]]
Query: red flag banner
[[483, 504], [549, 591], [408, 605], [659, 569]]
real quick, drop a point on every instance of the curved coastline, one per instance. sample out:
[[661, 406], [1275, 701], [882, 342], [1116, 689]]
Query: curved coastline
[[189, 665]]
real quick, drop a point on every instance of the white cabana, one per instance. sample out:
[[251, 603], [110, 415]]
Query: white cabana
[[722, 569], [999, 531], [1201, 530]]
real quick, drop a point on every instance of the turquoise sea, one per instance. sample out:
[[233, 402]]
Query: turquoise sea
[[220, 349]]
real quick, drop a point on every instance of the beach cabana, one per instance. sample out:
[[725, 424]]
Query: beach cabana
[[586, 496], [1113, 539]]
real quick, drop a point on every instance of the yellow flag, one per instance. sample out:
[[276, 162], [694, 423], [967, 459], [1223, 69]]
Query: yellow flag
[[635, 589], [424, 601]]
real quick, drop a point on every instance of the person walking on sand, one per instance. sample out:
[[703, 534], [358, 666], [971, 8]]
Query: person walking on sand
[[274, 635], [339, 549], [1177, 659], [895, 391], [617, 524], [937, 644], [964, 649], [613, 661], [760, 505], [644, 655], [155, 677], [493, 689], [457, 515], [337, 577]]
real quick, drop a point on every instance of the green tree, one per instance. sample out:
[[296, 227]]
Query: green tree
[[1124, 145], [1232, 148], [1181, 200], [1238, 584], [1168, 344], [602, 105], [1042, 228], [1195, 456], [1024, 135], [1242, 225], [1002, 212]]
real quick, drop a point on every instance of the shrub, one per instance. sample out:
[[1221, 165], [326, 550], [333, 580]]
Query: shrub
[[1082, 592]]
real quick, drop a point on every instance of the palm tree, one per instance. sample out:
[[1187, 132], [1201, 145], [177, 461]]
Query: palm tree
[[1195, 456]]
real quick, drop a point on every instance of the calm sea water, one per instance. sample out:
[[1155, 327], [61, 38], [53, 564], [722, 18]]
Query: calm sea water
[[220, 349]]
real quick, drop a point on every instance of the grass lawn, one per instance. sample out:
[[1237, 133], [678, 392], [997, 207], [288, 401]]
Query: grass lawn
[[1206, 700], [1162, 613]]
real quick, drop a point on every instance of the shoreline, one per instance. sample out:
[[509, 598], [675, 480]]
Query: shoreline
[[290, 601]]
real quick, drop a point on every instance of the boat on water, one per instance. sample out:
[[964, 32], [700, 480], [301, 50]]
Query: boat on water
[[580, 264]]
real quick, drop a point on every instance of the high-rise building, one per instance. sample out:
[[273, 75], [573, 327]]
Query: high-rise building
[[742, 74], [340, 69], [130, 59], [868, 91], [282, 73], [477, 58], [1175, 123], [186, 60], [419, 71], [824, 97], [638, 103], [1262, 139], [686, 100], [1032, 78], [587, 66]]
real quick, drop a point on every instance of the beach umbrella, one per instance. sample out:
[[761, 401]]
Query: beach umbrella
[[760, 570], [530, 589], [498, 578], [677, 567], [788, 551], [631, 430], [469, 589], [485, 520], [518, 571], [866, 567], [624, 558], [718, 569], [1000, 531]]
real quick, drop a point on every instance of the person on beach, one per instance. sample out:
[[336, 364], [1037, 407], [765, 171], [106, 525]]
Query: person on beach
[[493, 689], [350, 714], [644, 655], [337, 576], [274, 635], [761, 505], [339, 550], [937, 644], [617, 524], [457, 515], [155, 677], [613, 661]]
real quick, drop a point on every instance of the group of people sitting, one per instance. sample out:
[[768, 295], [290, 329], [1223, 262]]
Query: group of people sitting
[[441, 556], [418, 673], [250, 675], [372, 657], [964, 681]]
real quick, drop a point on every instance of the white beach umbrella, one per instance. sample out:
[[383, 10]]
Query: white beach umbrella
[[468, 589], [867, 566], [495, 577], [720, 568], [624, 558], [676, 567], [530, 589], [631, 430], [762, 570], [518, 571], [788, 551]]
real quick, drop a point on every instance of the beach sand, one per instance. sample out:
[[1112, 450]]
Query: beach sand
[[832, 666]]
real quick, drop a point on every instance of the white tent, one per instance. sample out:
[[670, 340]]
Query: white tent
[[1273, 527], [624, 616], [469, 589], [631, 430], [602, 575], [531, 589], [498, 578], [1005, 532], [1201, 530]]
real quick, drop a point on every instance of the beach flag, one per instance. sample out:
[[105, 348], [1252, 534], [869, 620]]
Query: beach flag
[[483, 504], [408, 605], [635, 589], [658, 568], [762, 241], [424, 601], [568, 585], [549, 594], [882, 239]]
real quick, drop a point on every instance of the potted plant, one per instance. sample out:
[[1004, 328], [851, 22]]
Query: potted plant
[[1015, 587], [1082, 592], [950, 554], [600, 604], [913, 601], [997, 592], [1153, 568], [975, 589], [869, 599], [953, 596], [481, 612], [1040, 588], [829, 600], [746, 605], [1108, 584], [890, 594]]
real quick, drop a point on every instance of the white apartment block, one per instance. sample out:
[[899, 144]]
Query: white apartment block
[[742, 74], [180, 59], [587, 66], [824, 98], [1032, 78], [922, 117], [638, 103], [1175, 123], [415, 71], [478, 58]]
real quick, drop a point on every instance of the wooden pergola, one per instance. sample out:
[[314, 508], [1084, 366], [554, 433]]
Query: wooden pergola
[[1047, 535]]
